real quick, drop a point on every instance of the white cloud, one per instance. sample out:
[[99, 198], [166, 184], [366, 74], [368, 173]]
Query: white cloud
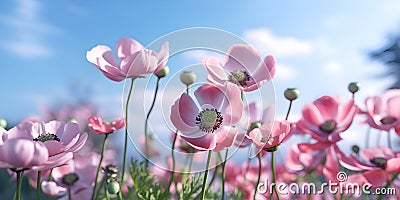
[[28, 30], [284, 73], [332, 67], [199, 54], [267, 43]]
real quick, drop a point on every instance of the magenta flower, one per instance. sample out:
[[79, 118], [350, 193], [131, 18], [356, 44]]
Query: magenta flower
[[209, 125], [242, 66], [324, 120], [97, 125], [270, 134], [20, 153], [135, 60], [61, 139], [383, 112]]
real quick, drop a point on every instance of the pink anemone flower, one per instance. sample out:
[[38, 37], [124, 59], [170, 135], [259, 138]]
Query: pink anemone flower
[[135, 60], [97, 125], [61, 139], [242, 66], [270, 135], [383, 112], [324, 120], [209, 125], [21, 153]]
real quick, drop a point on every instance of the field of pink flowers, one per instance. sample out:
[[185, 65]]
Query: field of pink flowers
[[65, 155]]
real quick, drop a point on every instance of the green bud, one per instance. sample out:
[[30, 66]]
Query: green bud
[[355, 149], [353, 87], [291, 94], [163, 72], [254, 125], [3, 123], [73, 120], [113, 187], [70, 179], [188, 77]]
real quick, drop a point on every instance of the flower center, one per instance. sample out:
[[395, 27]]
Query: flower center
[[46, 137], [209, 120], [379, 162], [328, 126], [239, 77], [388, 120], [254, 125], [70, 179]]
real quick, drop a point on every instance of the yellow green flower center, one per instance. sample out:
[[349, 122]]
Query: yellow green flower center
[[209, 120], [46, 137], [239, 77], [328, 126]]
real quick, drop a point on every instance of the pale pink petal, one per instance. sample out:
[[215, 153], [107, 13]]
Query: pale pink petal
[[393, 165], [306, 148], [52, 189], [253, 112], [205, 142], [225, 138], [215, 70], [162, 56], [127, 46], [209, 95], [80, 143], [233, 104], [377, 178], [265, 70], [140, 63], [312, 115], [242, 57], [393, 106]]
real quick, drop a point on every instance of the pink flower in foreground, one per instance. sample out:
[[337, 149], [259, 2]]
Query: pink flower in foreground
[[19, 153], [135, 60], [324, 120], [383, 111], [97, 125], [242, 66], [61, 139], [209, 126], [270, 135]]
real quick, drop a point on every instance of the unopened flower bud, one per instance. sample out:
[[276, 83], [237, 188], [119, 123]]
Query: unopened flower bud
[[254, 125], [113, 187], [70, 179], [188, 77], [3, 123], [73, 120], [355, 149], [163, 72], [291, 94], [353, 87]]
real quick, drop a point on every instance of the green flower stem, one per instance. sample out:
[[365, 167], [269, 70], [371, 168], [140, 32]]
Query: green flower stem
[[120, 195], [126, 130], [290, 107], [69, 192], [147, 121], [203, 189], [20, 174], [173, 160], [99, 166], [102, 183], [273, 176], [259, 174], [223, 174], [106, 192], [39, 175]]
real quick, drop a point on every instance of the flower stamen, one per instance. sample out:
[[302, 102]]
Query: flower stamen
[[46, 137], [328, 126], [239, 77], [209, 120]]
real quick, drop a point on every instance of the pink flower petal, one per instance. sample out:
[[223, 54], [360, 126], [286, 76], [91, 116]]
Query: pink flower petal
[[163, 57], [328, 107], [225, 138], [209, 95], [233, 104], [52, 189], [127, 46], [242, 57], [393, 165], [140, 63], [178, 121], [205, 142]]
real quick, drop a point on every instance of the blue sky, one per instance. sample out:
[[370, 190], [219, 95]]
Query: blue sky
[[320, 46]]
